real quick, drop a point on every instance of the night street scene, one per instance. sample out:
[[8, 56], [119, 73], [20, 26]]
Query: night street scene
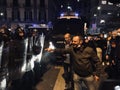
[[59, 44]]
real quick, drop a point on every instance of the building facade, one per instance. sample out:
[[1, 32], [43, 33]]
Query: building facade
[[105, 16], [39, 10], [24, 11]]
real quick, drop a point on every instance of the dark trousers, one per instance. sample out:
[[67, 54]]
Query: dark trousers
[[68, 74]]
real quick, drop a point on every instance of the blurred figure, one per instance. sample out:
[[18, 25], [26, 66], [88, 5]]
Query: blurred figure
[[17, 58], [103, 45], [98, 49], [110, 61], [67, 63], [19, 34], [118, 52], [36, 50], [36, 47], [4, 56], [112, 56]]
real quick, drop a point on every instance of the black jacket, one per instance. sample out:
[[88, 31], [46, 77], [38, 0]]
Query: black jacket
[[85, 61]]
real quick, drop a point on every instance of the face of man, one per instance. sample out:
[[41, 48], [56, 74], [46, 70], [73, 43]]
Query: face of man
[[67, 38], [76, 41]]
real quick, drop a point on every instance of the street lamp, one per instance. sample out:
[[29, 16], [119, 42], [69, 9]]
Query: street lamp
[[98, 8], [1, 14]]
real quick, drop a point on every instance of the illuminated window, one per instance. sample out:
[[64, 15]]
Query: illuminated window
[[102, 21], [104, 2], [95, 15], [118, 5], [109, 3]]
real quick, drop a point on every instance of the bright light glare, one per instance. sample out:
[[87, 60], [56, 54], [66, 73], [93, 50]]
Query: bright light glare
[[109, 13], [76, 14], [3, 84], [99, 8], [51, 45], [95, 15], [102, 21], [117, 87], [62, 14], [1, 14], [23, 69], [9, 29], [105, 35], [61, 6], [69, 7]]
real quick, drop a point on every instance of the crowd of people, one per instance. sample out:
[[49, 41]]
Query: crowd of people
[[86, 59], [92, 59]]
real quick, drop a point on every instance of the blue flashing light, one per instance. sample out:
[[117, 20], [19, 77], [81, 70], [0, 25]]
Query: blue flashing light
[[76, 14], [62, 14], [34, 25]]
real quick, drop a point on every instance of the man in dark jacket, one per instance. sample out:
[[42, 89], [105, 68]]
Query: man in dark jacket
[[85, 62]]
